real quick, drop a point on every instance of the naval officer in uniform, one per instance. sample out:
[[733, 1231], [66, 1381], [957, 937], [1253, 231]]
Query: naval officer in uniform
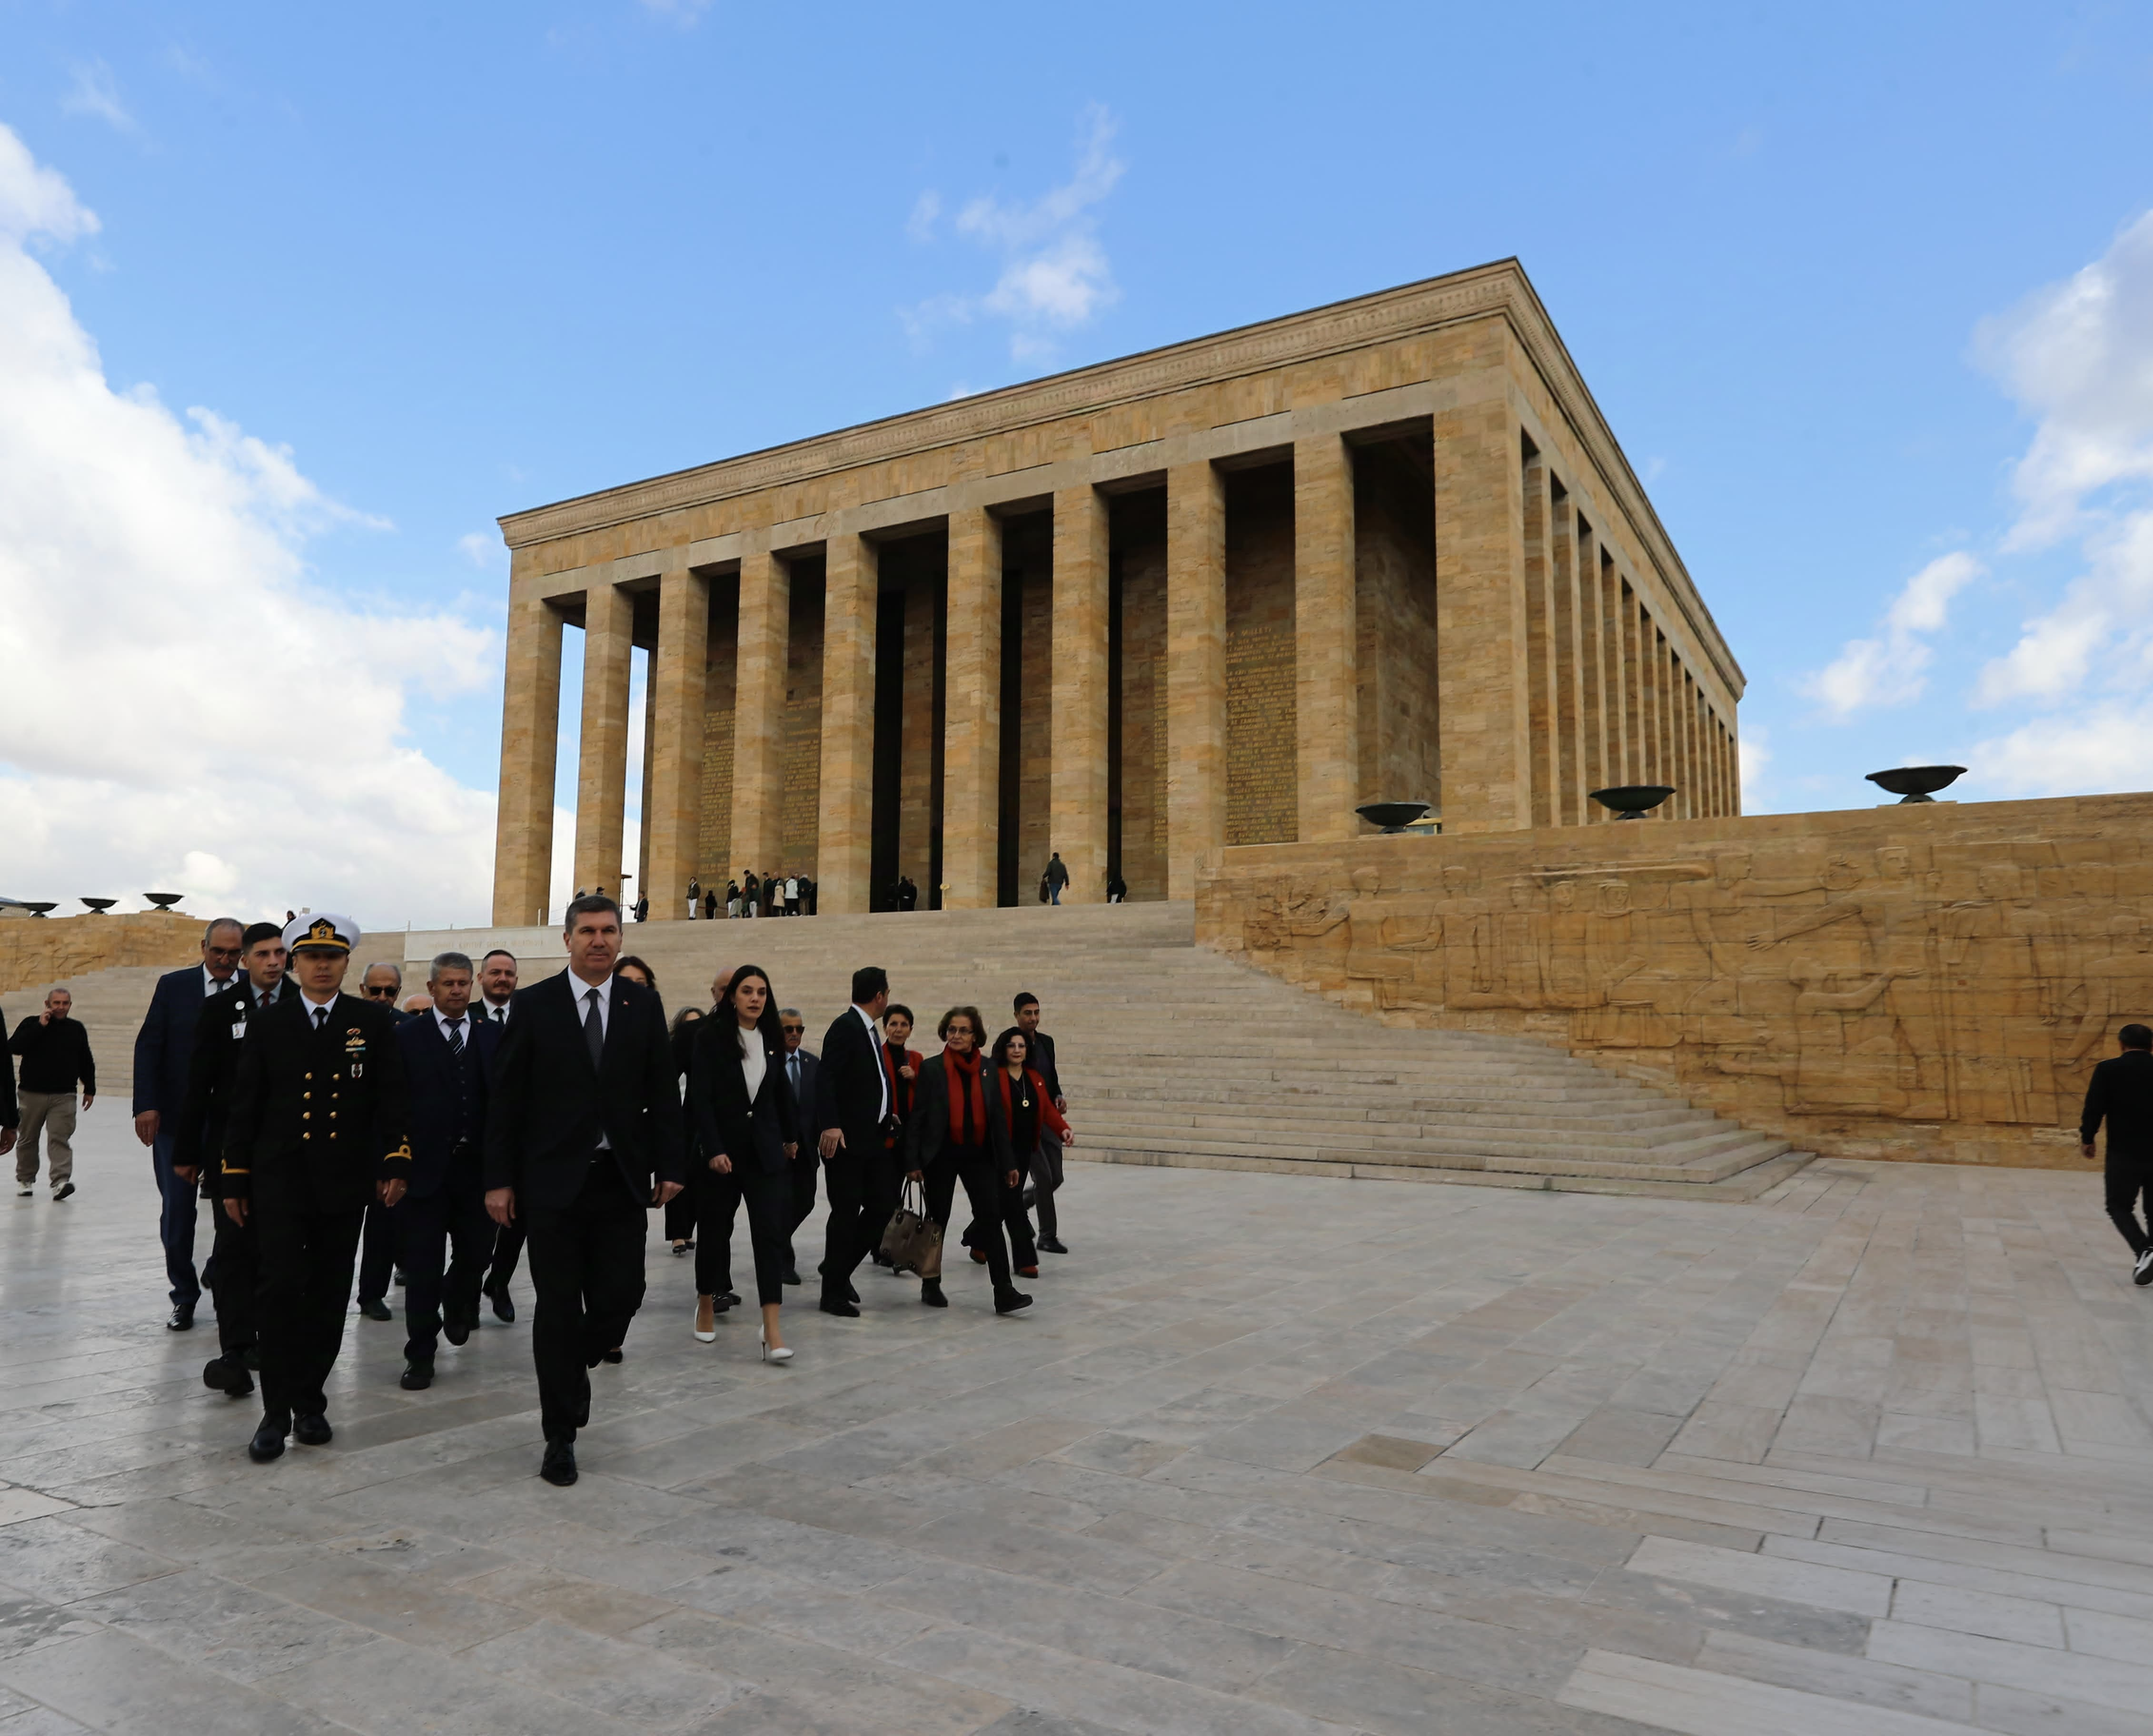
[[317, 1132]]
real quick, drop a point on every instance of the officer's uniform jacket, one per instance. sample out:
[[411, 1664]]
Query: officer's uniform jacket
[[318, 1117], [212, 1074]]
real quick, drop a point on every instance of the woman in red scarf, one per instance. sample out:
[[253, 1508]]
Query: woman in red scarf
[[1028, 1111], [958, 1133]]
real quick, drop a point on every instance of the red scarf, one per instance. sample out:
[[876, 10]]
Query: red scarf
[[965, 1129]]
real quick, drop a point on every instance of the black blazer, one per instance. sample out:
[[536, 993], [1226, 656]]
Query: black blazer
[[2121, 1093], [927, 1133], [849, 1091], [212, 1075], [548, 1106], [11, 1111], [437, 1079], [318, 1117], [1041, 1062], [752, 1134]]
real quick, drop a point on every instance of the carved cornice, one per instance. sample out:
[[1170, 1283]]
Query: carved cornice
[[1500, 288]]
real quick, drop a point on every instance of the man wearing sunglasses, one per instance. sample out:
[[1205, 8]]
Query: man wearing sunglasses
[[382, 983], [163, 1049]]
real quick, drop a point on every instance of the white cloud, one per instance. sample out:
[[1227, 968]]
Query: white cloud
[[1054, 274], [35, 200], [94, 93], [1888, 669], [2099, 748], [2079, 356], [481, 548], [1754, 749], [183, 709]]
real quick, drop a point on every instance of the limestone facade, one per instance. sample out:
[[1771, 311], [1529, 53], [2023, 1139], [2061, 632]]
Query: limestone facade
[[35, 953], [1216, 594], [1930, 982]]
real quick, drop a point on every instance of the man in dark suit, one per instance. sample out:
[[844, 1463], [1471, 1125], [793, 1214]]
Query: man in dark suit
[[1044, 1161], [11, 1111], [381, 983], [234, 1271], [162, 1050], [856, 1115], [584, 1111], [2120, 1093], [803, 1073], [496, 995], [448, 1055], [316, 1134]]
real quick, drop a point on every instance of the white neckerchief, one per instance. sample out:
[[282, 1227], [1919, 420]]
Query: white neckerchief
[[754, 1062]]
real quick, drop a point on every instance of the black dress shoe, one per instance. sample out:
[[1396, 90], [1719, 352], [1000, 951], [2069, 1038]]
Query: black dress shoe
[[269, 1442], [930, 1292], [182, 1320], [314, 1431], [838, 1304], [791, 1275], [457, 1325], [398, 1273], [227, 1374], [614, 1355], [418, 1375], [1011, 1301], [374, 1308], [558, 1466], [504, 1305], [1052, 1245]]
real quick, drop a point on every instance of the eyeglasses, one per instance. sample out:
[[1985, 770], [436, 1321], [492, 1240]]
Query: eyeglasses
[[220, 951], [794, 1030], [379, 991]]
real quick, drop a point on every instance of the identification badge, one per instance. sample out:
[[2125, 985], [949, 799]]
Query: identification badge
[[239, 1030]]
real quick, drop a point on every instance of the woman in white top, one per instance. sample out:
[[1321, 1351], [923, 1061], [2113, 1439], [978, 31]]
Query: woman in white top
[[747, 1135]]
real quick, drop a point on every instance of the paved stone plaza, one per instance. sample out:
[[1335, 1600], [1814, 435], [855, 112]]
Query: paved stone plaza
[[1273, 1455]]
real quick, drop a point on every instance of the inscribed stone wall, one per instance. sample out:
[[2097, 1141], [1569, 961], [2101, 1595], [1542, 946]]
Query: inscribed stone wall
[[1036, 733], [1262, 804], [1141, 574], [1394, 523], [36, 951], [1928, 982], [919, 739], [714, 850], [800, 752]]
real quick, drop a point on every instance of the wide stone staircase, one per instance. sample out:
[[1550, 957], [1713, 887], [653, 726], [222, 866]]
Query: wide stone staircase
[[1171, 1053]]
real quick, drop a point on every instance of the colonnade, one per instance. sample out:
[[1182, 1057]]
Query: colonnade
[[1567, 650]]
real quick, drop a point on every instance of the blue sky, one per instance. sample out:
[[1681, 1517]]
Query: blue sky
[[1856, 287]]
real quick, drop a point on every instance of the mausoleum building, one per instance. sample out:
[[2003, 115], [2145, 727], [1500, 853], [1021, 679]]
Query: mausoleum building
[[1215, 594]]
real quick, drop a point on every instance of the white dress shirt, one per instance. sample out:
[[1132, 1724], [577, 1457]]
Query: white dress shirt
[[487, 1009], [882, 1072], [443, 1021], [603, 991], [312, 1004], [213, 987], [754, 1063]]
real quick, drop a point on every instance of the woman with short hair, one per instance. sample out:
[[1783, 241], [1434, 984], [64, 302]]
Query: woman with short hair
[[747, 1135], [958, 1133]]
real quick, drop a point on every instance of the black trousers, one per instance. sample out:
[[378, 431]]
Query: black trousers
[[507, 1248], [768, 1197], [844, 1180], [1047, 1182], [233, 1274], [802, 1185], [587, 1267], [885, 1181], [2130, 1174], [985, 1188], [1013, 1220], [306, 1287], [377, 1256], [449, 1227], [681, 1213]]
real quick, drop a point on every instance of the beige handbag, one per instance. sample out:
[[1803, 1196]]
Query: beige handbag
[[913, 1243]]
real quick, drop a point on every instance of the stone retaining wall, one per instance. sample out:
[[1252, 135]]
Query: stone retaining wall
[[1932, 983], [35, 952]]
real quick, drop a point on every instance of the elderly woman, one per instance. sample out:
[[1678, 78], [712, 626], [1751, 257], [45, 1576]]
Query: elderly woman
[[958, 1133], [747, 1135]]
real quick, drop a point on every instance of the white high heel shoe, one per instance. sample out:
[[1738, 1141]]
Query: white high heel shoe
[[781, 1354]]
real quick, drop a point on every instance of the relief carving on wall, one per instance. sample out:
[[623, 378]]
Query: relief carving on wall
[[1833, 980]]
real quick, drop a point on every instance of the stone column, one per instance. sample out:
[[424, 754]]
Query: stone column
[[1633, 709], [1484, 715], [1616, 680], [766, 606], [601, 774], [1733, 769], [673, 819], [1077, 781], [1195, 670], [530, 741], [1543, 706], [972, 712], [845, 813], [1326, 639], [1592, 672], [1568, 665]]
